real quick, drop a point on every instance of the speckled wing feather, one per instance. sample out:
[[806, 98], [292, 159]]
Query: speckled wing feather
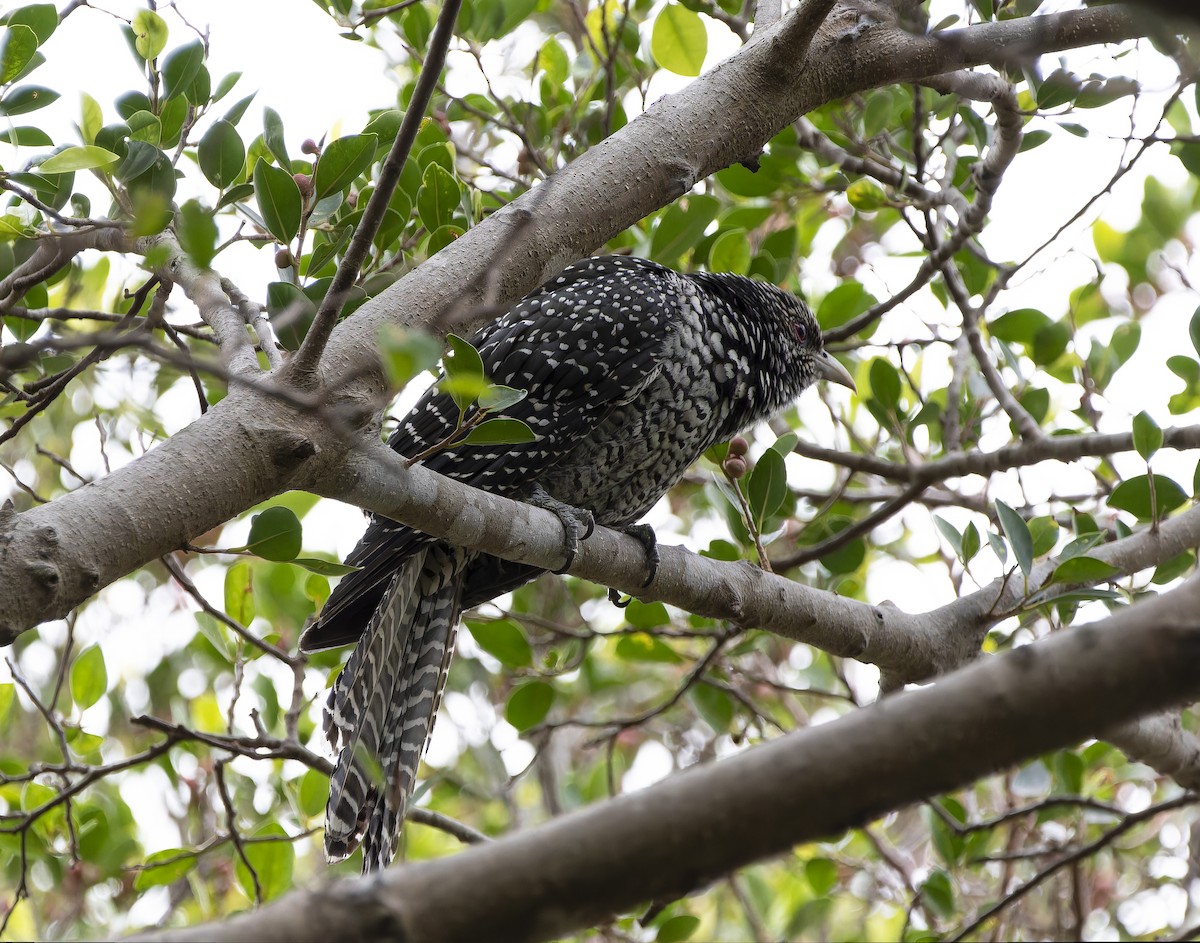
[[552, 345]]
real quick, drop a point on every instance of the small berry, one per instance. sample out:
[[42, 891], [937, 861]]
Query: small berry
[[283, 259], [735, 467], [310, 147], [305, 183], [738, 447]]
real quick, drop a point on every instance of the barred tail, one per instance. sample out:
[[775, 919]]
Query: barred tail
[[382, 706]]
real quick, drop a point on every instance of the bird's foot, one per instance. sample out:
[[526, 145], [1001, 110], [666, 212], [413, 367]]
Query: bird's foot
[[643, 534], [577, 523]]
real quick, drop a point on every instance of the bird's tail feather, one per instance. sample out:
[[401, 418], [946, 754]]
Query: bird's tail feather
[[381, 708]]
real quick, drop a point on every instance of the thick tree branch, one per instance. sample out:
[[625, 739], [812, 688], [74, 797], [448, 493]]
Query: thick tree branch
[[684, 833], [251, 446]]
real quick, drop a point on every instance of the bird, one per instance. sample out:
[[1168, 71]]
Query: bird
[[632, 370]]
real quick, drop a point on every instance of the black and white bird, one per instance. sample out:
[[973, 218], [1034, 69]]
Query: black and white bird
[[632, 370]]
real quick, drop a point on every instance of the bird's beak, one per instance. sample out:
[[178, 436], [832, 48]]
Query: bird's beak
[[830, 369]]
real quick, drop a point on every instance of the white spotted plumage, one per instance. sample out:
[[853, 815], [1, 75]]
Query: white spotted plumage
[[632, 370]]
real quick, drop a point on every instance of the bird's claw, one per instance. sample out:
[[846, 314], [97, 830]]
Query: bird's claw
[[644, 534], [577, 523]]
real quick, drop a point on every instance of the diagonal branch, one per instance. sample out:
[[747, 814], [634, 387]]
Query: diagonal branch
[[304, 364], [687, 831]]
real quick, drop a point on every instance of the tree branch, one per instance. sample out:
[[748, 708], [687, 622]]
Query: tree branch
[[681, 834]]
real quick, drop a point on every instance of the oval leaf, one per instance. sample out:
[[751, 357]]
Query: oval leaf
[[1147, 436], [529, 704], [17, 46], [1017, 532], [89, 677], [1083, 570], [239, 593], [437, 198], [150, 34], [279, 201], [222, 154], [1134, 496], [767, 486], [501, 431], [181, 67], [79, 157], [275, 534], [679, 40], [504, 641], [342, 162]]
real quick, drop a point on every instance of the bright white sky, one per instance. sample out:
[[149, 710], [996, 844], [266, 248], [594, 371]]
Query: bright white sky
[[291, 53]]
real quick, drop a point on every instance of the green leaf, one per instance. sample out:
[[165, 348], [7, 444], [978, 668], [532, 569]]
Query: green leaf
[[1017, 532], [865, 194], [164, 867], [646, 615], [8, 694], [222, 154], [25, 136], [529, 704], [730, 252], [970, 543], [1194, 330], [1133, 495], [385, 126], [89, 677], [847, 300], [342, 162], [279, 201], [1058, 88], [181, 67], [642, 646], [822, 875], [407, 352], [275, 534], [273, 138], [681, 227], [504, 640], [1147, 436], [17, 46], [502, 431], [42, 18], [197, 231], [1019, 326], [938, 893], [713, 705], [272, 862], [885, 383], [324, 567], [239, 593], [678, 929], [679, 40], [497, 397], [465, 379], [438, 197], [950, 532], [150, 34], [767, 487], [1081, 569], [78, 157], [26, 98], [313, 792]]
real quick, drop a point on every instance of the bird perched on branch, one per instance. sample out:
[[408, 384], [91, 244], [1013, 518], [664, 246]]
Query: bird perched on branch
[[632, 371]]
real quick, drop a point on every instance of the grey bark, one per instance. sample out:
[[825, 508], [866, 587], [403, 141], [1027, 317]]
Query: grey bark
[[680, 835]]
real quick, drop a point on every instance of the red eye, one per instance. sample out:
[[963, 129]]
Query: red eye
[[800, 331]]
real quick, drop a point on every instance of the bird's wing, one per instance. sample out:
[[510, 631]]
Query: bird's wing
[[586, 342]]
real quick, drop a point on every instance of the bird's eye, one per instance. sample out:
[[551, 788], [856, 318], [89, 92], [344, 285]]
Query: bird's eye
[[800, 332]]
